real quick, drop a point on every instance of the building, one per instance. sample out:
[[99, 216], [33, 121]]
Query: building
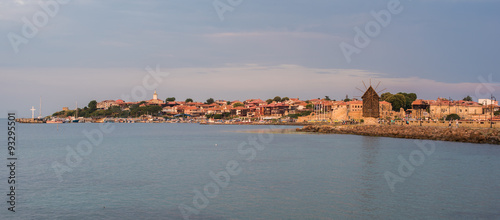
[[487, 102], [440, 108], [155, 100], [104, 105]]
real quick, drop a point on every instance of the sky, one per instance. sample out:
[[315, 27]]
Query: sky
[[74, 51]]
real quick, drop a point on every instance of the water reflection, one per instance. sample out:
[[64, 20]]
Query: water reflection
[[368, 175]]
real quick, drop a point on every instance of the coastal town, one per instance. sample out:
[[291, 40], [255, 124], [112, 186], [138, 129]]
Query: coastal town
[[387, 108]]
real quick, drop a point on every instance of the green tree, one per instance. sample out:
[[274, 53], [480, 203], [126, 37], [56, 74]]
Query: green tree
[[115, 111], [124, 114], [170, 99], [412, 96], [228, 102], [210, 101], [277, 99], [468, 98], [347, 100], [398, 101], [309, 106], [385, 96], [269, 101], [327, 98], [92, 106], [238, 104], [284, 99], [409, 98], [189, 100], [452, 117], [99, 113]]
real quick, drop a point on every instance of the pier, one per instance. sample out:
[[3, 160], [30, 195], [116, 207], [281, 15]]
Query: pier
[[30, 120]]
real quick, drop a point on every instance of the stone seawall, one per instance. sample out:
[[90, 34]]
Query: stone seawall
[[470, 135]]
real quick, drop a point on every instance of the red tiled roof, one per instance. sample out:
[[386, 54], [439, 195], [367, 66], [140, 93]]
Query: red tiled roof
[[418, 102]]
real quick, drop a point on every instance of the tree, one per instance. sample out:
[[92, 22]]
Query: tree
[[385, 96], [327, 98], [189, 100], [92, 106], [347, 100], [124, 114], [269, 101], [285, 99], [412, 96], [409, 98], [398, 101], [170, 99], [309, 106], [238, 104], [277, 99], [452, 117], [468, 98], [228, 102], [210, 101]]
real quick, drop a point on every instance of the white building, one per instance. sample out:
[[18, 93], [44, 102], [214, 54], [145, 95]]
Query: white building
[[487, 102]]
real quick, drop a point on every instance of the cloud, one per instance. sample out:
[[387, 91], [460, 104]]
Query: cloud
[[269, 34], [61, 87], [15, 10]]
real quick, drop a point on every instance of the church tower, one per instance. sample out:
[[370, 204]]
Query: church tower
[[155, 96]]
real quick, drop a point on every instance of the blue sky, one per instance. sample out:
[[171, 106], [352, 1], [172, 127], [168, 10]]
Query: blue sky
[[99, 50]]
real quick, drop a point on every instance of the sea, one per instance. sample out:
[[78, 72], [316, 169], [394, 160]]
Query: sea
[[192, 171]]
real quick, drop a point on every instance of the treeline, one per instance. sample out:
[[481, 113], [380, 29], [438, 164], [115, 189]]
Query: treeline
[[91, 111], [399, 100]]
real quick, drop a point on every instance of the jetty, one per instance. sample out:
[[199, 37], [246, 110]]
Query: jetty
[[30, 120], [461, 134]]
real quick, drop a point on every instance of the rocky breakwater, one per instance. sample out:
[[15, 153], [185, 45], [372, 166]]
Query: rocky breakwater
[[470, 135]]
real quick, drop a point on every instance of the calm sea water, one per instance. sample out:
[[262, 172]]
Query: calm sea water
[[145, 171]]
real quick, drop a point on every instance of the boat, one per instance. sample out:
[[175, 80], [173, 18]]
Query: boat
[[55, 121], [75, 119]]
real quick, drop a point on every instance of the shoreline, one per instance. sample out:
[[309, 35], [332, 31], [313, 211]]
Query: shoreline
[[466, 135], [453, 134]]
